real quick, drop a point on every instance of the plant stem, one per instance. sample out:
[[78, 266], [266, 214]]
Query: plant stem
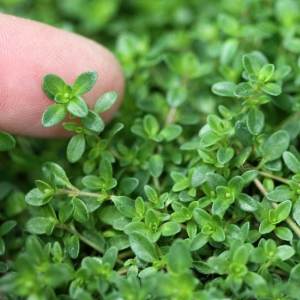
[[171, 116], [278, 178], [73, 230], [125, 254], [122, 271], [85, 240], [289, 220], [76, 192], [156, 183]]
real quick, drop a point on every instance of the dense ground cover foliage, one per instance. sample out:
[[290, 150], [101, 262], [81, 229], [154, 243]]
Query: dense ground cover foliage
[[192, 192]]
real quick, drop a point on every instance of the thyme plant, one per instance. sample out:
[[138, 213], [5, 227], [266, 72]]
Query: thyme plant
[[193, 190]]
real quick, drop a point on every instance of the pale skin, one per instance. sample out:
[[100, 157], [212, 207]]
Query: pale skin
[[28, 51]]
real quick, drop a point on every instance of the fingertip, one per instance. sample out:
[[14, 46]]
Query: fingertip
[[31, 50]]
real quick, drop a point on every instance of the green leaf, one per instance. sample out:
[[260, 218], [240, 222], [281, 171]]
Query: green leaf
[[279, 194], [249, 176], [151, 194], [72, 246], [56, 174], [105, 102], [223, 201], [142, 247], [201, 216], [253, 62], [241, 255], [151, 125], [256, 282], [66, 211], [76, 148], [106, 172], [37, 198], [292, 44], [224, 155], [181, 182], [266, 227], [151, 220], [229, 49], [110, 256], [93, 122], [7, 226], [275, 145], [295, 273], [116, 128], [284, 233], [176, 96], [53, 115], [171, 132], [78, 107], [296, 211], [285, 252], [247, 203], [156, 165], [73, 127], [271, 88], [209, 138], [283, 210], [179, 257], [199, 241], [53, 85], [93, 183], [80, 213], [84, 83], [243, 134], [43, 186], [15, 203], [170, 228], [41, 225], [228, 24], [139, 206], [236, 184], [224, 88], [215, 123], [7, 141], [255, 121], [128, 185], [199, 175], [2, 246], [243, 89], [266, 72], [124, 205], [185, 64], [291, 161], [57, 251]]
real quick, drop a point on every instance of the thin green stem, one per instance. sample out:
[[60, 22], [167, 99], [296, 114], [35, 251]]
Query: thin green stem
[[275, 177], [293, 225], [156, 183], [171, 116], [122, 271], [85, 240], [125, 254], [76, 192]]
